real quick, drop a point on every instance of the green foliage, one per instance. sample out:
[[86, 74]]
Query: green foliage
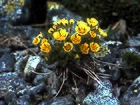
[[132, 59], [111, 32]]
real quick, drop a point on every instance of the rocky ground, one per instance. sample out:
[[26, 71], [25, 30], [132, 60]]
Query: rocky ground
[[25, 78]]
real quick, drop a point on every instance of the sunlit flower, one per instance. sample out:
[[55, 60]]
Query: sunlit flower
[[40, 35], [92, 34], [68, 46], [36, 41], [102, 32], [71, 21], [84, 48], [75, 38], [94, 47], [51, 30], [92, 22], [63, 22], [82, 28], [57, 36], [55, 25], [61, 35], [63, 32], [81, 22], [44, 40], [46, 47]]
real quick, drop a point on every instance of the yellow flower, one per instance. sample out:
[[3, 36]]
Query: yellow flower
[[81, 22], [71, 21], [84, 48], [36, 41], [92, 34], [75, 38], [40, 35], [92, 22], [68, 46], [51, 30], [82, 28], [61, 35], [63, 32], [56, 35], [63, 22], [54, 27], [102, 32], [46, 47], [94, 47], [44, 40], [55, 23]]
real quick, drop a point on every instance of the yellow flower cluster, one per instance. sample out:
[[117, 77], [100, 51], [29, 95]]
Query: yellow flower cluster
[[94, 47], [43, 43], [69, 36]]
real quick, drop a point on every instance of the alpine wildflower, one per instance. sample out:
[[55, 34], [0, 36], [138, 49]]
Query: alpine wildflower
[[84, 48], [68, 46], [94, 47]]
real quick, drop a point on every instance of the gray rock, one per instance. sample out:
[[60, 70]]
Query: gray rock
[[31, 65], [45, 66], [24, 100], [7, 62], [103, 95], [115, 73], [40, 78], [65, 100], [2, 103], [53, 83], [3, 27], [134, 41], [10, 98], [29, 95], [56, 14], [10, 82], [4, 50], [80, 93], [132, 95], [32, 90], [20, 64], [36, 89]]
